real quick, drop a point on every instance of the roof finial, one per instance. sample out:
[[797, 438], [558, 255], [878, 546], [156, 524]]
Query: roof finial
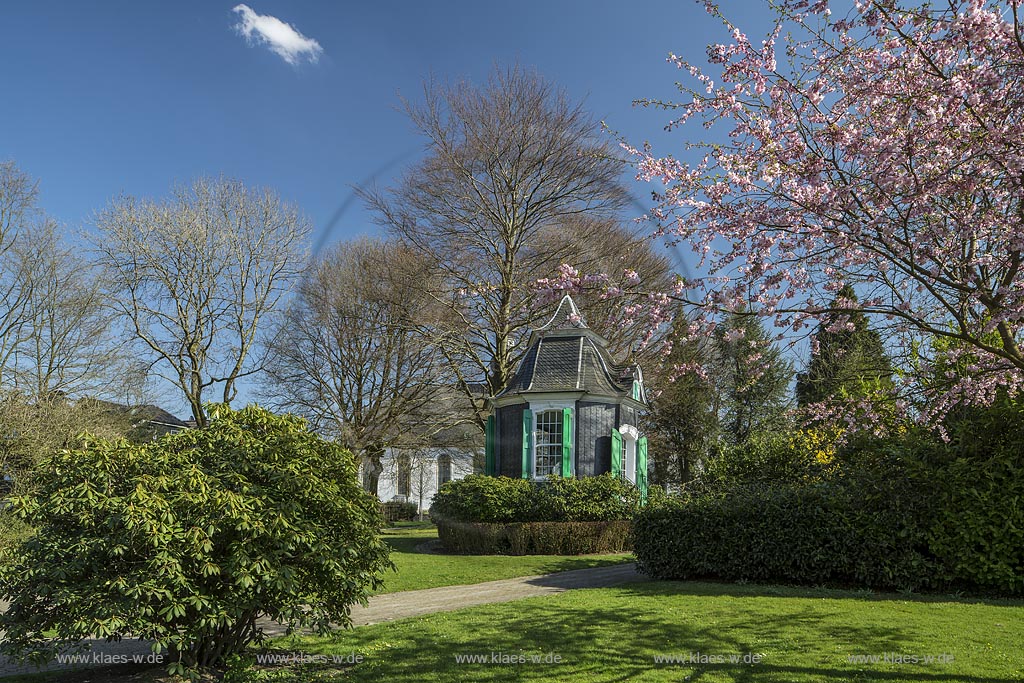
[[566, 316]]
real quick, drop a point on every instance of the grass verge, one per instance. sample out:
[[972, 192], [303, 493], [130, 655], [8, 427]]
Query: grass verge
[[416, 570], [617, 634]]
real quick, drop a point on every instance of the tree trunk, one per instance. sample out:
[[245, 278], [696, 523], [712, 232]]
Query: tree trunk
[[372, 467]]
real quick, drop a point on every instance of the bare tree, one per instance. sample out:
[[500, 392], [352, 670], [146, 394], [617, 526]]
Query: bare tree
[[424, 467], [349, 354], [56, 343], [68, 343], [18, 194], [194, 276], [508, 164], [55, 336]]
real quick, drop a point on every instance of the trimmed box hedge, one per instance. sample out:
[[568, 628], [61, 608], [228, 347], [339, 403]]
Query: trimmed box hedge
[[534, 538], [481, 498], [501, 515]]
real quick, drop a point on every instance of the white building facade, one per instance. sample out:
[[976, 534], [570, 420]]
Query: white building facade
[[415, 475]]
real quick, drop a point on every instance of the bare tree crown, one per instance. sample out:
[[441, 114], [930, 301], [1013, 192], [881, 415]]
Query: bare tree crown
[[194, 275]]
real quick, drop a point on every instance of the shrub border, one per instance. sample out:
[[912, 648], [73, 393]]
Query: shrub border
[[534, 538]]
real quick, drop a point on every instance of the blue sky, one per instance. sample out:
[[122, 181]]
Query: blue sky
[[130, 97]]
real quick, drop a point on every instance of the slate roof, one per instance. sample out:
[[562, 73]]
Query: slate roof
[[138, 414], [157, 416], [566, 355], [144, 422]]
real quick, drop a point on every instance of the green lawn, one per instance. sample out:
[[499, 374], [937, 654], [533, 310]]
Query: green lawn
[[614, 634], [422, 570], [414, 570]]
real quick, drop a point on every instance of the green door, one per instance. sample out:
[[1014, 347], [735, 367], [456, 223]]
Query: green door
[[527, 441], [616, 453], [567, 442], [641, 467], [489, 463]]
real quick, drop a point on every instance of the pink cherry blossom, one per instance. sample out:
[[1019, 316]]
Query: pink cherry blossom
[[888, 154]]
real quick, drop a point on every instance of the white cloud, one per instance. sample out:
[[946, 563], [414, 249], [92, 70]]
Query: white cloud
[[282, 38]]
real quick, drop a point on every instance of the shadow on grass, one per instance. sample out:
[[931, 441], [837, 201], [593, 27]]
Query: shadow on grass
[[615, 635], [121, 673], [742, 590], [405, 543], [87, 658]]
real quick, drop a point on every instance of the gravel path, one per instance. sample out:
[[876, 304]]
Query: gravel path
[[391, 606]]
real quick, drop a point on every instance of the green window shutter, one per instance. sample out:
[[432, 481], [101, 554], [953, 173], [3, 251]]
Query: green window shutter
[[616, 453], [527, 441], [641, 467], [636, 390], [489, 447], [567, 442]]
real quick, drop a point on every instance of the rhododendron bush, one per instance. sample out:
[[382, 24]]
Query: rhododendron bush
[[883, 149]]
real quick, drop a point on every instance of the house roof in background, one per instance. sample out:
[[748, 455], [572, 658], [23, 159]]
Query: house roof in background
[[145, 413]]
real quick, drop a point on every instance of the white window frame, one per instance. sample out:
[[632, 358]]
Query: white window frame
[[450, 462], [630, 436], [538, 407], [551, 441]]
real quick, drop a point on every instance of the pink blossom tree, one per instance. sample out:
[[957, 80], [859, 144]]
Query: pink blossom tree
[[883, 150]]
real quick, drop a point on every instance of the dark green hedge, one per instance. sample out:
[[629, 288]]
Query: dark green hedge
[[534, 538], [978, 529], [820, 534], [479, 498], [398, 511], [920, 515]]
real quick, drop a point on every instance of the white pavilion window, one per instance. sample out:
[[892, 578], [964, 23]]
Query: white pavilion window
[[548, 443]]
